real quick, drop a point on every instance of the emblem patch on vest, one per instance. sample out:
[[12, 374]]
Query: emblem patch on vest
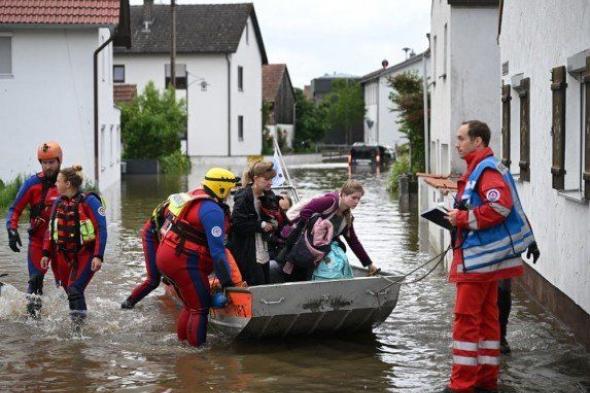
[[101, 211], [216, 231], [493, 195]]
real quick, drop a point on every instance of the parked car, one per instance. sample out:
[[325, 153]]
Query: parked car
[[368, 154]]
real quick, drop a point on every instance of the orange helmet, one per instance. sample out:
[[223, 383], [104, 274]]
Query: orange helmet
[[49, 150]]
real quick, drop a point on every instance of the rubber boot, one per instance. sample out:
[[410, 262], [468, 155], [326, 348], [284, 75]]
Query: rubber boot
[[504, 306], [35, 290], [128, 304]]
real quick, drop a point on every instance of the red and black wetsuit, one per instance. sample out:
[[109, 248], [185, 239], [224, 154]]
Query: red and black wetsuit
[[38, 193], [192, 247], [68, 242]]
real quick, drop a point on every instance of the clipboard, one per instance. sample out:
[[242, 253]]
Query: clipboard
[[438, 216]]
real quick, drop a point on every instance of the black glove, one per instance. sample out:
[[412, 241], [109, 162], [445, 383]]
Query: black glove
[[534, 251], [13, 240]]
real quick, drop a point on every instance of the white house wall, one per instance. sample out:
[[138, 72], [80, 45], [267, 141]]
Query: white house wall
[[535, 39], [440, 88], [247, 103], [475, 73], [207, 109], [50, 97]]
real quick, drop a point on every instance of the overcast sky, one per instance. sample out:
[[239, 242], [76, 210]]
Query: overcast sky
[[315, 37]]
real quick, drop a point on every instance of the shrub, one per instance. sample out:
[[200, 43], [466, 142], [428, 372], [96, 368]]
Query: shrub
[[399, 167], [8, 191], [176, 163]]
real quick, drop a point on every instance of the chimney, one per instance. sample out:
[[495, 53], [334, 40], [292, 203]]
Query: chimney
[[148, 17]]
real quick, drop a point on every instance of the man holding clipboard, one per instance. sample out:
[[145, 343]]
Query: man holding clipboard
[[491, 233]]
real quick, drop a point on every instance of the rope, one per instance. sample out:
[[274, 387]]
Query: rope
[[440, 257]]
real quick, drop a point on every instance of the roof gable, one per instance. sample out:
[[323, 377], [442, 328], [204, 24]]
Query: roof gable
[[200, 28], [60, 12], [272, 76]]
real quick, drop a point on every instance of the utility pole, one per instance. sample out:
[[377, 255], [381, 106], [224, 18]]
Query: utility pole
[[173, 44]]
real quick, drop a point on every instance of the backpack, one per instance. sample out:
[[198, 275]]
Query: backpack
[[333, 266]]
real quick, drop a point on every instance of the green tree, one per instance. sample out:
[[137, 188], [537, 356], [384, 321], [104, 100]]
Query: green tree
[[407, 97], [311, 123], [345, 106], [153, 124]]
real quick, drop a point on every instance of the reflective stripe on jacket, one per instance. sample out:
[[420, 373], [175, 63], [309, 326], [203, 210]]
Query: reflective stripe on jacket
[[498, 247]]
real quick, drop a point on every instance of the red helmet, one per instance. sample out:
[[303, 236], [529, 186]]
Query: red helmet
[[49, 150]]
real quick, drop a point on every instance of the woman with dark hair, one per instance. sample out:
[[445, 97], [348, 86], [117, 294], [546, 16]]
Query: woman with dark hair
[[256, 217]]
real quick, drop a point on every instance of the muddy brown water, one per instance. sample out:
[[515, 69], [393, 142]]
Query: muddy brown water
[[137, 350]]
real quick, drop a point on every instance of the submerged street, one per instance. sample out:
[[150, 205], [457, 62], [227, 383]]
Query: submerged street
[[137, 350]]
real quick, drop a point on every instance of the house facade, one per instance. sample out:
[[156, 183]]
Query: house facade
[[464, 81], [219, 58], [46, 87], [381, 121], [545, 100], [277, 91]]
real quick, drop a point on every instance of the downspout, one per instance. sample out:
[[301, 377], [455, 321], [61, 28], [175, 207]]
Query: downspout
[[96, 52], [227, 58], [426, 120], [378, 109]]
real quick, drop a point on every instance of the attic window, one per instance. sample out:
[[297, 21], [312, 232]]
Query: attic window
[[247, 34], [5, 55]]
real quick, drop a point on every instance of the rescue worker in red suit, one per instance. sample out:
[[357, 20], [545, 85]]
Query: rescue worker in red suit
[[38, 193], [150, 240], [491, 234], [192, 247], [76, 239]]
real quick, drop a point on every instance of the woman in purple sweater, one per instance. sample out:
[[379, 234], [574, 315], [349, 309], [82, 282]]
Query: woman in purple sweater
[[336, 207]]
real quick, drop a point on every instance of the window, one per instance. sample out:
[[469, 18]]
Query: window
[[240, 128], [444, 159], [434, 58], [558, 131], [247, 33], [102, 148], [181, 75], [112, 146], [5, 55], [524, 163], [240, 78], [119, 73], [575, 138]]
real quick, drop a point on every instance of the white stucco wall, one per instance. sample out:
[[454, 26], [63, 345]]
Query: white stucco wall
[[440, 88], [466, 85], [49, 96], [474, 73], [533, 41], [208, 110], [247, 103], [385, 130]]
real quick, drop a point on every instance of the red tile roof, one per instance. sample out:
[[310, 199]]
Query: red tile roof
[[272, 76], [62, 12], [124, 94], [439, 181]]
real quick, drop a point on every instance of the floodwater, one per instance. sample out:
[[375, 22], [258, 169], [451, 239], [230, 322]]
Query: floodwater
[[137, 351]]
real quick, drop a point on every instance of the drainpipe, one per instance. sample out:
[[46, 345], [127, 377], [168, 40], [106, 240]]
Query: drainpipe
[[426, 121], [227, 58], [96, 52]]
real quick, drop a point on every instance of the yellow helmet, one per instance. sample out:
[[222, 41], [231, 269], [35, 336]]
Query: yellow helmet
[[220, 181]]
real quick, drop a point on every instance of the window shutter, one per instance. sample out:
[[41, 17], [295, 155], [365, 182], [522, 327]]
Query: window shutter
[[558, 87], [506, 98], [586, 175], [524, 164]]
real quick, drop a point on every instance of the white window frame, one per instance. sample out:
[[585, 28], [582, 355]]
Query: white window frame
[[9, 75]]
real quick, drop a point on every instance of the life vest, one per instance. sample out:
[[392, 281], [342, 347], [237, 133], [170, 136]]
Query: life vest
[[71, 228], [178, 231], [499, 247]]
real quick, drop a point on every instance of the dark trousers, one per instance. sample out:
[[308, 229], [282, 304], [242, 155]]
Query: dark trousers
[[504, 304]]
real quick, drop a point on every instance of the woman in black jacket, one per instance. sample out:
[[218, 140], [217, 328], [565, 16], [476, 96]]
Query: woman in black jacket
[[252, 225]]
